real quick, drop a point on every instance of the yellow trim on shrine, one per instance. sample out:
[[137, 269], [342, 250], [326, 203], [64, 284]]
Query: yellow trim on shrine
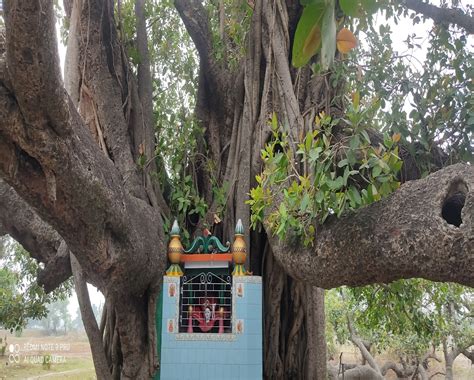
[[239, 270], [174, 270]]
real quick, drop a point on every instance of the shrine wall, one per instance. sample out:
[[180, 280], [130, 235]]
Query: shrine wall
[[236, 355]]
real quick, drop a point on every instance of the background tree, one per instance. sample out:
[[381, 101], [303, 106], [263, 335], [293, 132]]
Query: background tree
[[82, 163], [412, 319], [57, 321], [21, 298], [77, 321]]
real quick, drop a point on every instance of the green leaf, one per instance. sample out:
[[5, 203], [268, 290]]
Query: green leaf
[[342, 163], [374, 190], [369, 6], [358, 8], [328, 32], [376, 171], [319, 196], [336, 184], [314, 154], [356, 99], [346, 175], [308, 141], [350, 7], [307, 39], [304, 202], [354, 193], [274, 122], [366, 136], [354, 143]]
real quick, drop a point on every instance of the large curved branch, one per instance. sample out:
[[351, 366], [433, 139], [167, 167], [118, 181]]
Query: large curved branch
[[100, 86], [43, 243], [441, 15], [402, 236], [196, 20], [53, 163]]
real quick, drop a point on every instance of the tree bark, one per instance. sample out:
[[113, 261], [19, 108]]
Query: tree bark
[[469, 354], [22, 223], [316, 358], [402, 236], [442, 15], [90, 323]]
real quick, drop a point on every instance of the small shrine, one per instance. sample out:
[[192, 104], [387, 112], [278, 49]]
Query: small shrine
[[210, 311]]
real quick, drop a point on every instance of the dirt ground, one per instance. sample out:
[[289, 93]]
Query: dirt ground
[[69, 356]]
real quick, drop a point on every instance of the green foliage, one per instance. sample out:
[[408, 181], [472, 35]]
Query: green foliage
[[20, 296], [336, 323], [407, 316], [326, 177], [359, 8], [229, 48], [174, 66], [174, 72], [429, 102]]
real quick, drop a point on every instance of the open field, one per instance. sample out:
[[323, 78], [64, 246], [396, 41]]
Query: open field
[[69, 355]]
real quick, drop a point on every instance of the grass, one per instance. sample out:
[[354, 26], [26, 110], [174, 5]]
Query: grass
[[73, 348], [83, 369]]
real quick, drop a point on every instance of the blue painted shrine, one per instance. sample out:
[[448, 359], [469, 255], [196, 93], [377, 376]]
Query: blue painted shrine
[[211, 313]]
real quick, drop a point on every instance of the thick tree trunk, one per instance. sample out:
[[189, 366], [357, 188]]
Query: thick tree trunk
[[72, 168], [294, 312]]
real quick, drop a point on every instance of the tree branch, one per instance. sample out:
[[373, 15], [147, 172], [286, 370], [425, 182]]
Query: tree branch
[[196, 21], [105, 89], [398, 369], [56, 270], [468, 354], [145, 136], [361, 346], [22, 223], [402, 236], [33, 64], [90, 323], [442, 15]]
